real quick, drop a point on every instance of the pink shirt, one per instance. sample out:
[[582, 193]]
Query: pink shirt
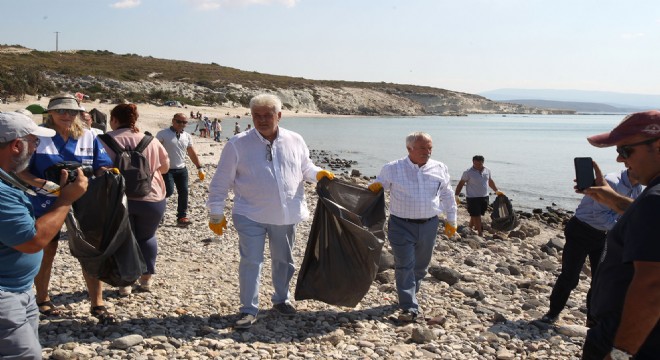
[[154, 152]]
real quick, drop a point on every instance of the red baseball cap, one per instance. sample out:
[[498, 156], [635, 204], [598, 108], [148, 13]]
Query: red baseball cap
[[645, 123]]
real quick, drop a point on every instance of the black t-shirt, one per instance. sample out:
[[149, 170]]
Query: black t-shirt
[[635, 237]]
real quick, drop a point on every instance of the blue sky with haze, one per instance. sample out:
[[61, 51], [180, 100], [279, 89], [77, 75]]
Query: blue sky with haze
[[462, 45]]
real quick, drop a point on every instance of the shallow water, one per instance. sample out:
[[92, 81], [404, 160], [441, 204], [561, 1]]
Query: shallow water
[[530, 156]]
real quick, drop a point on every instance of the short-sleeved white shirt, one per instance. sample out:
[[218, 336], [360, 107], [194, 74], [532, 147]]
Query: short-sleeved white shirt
[[476, 182], [176, 146]]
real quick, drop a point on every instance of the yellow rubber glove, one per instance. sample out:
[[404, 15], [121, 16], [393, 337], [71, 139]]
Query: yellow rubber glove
[[324, 173], [217, 223], [49, 188], [450, 229], [457, 199], [201, 174], [499, 193], [375, 187]]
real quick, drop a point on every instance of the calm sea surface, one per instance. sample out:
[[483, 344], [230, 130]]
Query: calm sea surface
[[530, 156]]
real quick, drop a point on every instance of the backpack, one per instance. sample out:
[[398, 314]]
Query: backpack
[[132, 165]]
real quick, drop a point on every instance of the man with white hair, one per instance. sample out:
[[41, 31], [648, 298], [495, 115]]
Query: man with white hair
[[22, 238], [266, 167], [420, 190]]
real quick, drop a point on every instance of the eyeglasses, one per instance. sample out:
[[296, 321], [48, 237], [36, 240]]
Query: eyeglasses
[[67, 112], [269, 154], [181, 122], [626, 151]]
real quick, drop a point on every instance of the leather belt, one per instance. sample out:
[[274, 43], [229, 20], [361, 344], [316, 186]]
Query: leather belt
[[415, 221]]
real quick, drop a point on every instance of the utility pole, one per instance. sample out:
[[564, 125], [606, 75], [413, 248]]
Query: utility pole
[[57, 39]]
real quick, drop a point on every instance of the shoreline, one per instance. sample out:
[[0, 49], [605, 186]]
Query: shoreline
[[154, 118], [479, 300]]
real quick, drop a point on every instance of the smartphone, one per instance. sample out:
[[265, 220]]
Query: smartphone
[[584, 172]]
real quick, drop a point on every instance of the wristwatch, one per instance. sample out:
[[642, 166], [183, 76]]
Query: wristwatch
[[618, 354]]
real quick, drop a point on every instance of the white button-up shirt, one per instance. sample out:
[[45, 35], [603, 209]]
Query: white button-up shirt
[[418, 192], [267, 179]]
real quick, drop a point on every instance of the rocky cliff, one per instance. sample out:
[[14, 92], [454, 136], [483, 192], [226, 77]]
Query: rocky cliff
[[344, 100], [111, 77]]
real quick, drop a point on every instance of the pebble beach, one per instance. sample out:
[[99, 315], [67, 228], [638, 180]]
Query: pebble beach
[[480, 299]]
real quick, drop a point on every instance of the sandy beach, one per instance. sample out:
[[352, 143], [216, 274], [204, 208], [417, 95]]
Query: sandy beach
[[479, 301], [155, 118]]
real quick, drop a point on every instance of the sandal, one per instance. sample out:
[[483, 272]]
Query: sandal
[[101, 312], [47, 308]]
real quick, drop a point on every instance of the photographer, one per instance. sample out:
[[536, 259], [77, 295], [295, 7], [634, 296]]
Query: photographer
[[72, 142], [23, 237]]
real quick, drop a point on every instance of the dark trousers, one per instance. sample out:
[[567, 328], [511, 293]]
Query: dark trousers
[[145, 217], [582, 240], [178, 178]]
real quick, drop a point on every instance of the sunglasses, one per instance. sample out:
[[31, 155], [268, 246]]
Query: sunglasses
[[626, 151], [181, 122], [269, 154], [67, 112]]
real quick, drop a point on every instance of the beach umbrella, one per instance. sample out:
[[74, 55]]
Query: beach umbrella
[[36, 109]]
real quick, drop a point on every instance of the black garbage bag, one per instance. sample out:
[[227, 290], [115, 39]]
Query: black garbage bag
[[344, 245], [503, 218], [100, 234]]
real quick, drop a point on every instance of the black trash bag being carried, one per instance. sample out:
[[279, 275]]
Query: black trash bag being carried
[[503, 218], [344, 245], [100, 234]]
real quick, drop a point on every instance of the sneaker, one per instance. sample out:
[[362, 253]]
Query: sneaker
[[125, 291], [285, 309], [407, 316], [145, 285], [549, 318], [183, 222], [245, 321]]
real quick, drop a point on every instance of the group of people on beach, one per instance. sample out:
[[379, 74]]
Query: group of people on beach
[[207, 128], [266, 168]]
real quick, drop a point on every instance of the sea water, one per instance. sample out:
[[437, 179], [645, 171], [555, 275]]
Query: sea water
[[530, 156]]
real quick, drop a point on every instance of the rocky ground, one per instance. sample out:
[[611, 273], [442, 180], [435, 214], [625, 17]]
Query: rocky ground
[[479, 301]]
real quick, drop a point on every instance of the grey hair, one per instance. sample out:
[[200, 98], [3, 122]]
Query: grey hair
[[412, 137], [266, 100]]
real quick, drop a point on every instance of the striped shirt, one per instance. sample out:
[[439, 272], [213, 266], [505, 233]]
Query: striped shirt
[[418, 192]]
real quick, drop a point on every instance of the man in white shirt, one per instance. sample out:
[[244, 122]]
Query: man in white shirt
[[420, 190], [478, 180], [178, 144], [266, 168]]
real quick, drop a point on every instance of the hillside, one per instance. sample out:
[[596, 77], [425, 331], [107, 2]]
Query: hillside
[[112, 78]]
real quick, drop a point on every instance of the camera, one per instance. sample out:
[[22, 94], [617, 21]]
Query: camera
[[52, 173]]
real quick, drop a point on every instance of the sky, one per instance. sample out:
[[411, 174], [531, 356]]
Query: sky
[[461, 45]]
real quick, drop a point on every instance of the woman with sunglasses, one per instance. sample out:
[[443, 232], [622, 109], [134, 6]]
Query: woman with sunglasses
[[72, 142]]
